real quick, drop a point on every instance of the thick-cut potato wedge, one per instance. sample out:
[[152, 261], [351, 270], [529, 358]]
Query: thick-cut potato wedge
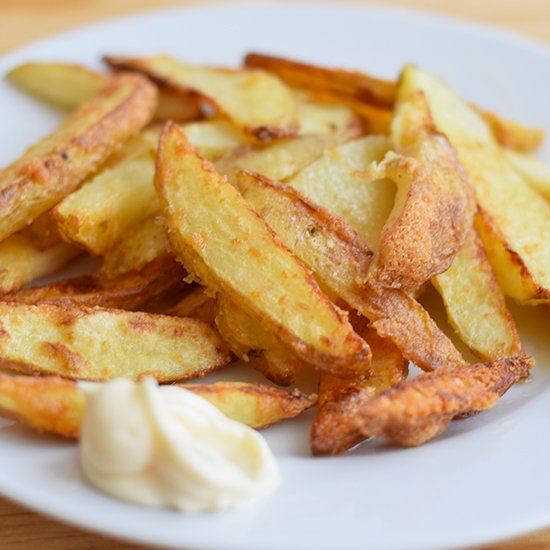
[[59, 84], [32, 253], [230, 249], [434, 206], [69, 86], [140, 246], [339, 181], [196, 304], [253, 344], [535, 172], [132, 291], [215, 137], [419, 409], [56, 405], [253, 100], [333, 430], [340, 261], [475, 304], [61, 161], [374, 98], [514, 220], [96, 216], [511, 134], [101, 344], [276, 161], [353, 84]]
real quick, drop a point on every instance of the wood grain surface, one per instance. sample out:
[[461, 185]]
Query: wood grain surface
[[22, 21]]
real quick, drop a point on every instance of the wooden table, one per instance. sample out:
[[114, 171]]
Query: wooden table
[[22, 21]]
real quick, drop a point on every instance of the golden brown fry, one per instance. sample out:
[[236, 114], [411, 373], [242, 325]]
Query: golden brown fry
[[475, 304], [340, 260], [434, 206], [533, 170], [132, 291], [95, 344], [420, 408], [255, 101], [32, 253], [61, 161], [196, 304], [121, 195], [334, 429], [513, 220], [352, 84], [253, 344], [230, 249], [56, 405]]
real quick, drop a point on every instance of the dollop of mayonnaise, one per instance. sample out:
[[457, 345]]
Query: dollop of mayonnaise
[[165, 446]]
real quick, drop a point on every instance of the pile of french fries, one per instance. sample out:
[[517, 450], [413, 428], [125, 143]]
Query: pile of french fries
[[282, 215]]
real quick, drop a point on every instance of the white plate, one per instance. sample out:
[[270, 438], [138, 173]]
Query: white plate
[[487, 477]]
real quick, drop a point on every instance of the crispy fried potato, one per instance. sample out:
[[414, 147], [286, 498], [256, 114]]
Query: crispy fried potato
[[59, 84], [95, 344], [215, 137], [230, 249], [279, 160], [255, 101], [511, 134], [69, 86], [196, 304], [56, 405], [535, 172], [514, 220], [419, 409], [141, 245], [96, 216], [334, 429], [340, 260], [32, 253], [133, 290], [475, 304], [352, 84], [434, 207], [253, 344], [61, 161], [339, 181]]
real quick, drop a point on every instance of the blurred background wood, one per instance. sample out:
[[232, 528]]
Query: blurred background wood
[[22, 21]]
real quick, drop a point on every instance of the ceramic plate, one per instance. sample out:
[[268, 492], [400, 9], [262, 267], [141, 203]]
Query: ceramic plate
[[487, 477]]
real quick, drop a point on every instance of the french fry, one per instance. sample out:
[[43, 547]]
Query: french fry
[[69, 86], [340, 260], [61, 161], [253, 344], [94, 344], [34, 252], [96, 216], [196, 304], [279, 160], [421, 408], [334, 428], [339, 181], [59, 84], [131, 291], [535, 172], [56, 405], [230, 249], [374, 98], [434, 206], [255, 101], [513, 220], [137, 248], [475, 304]]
